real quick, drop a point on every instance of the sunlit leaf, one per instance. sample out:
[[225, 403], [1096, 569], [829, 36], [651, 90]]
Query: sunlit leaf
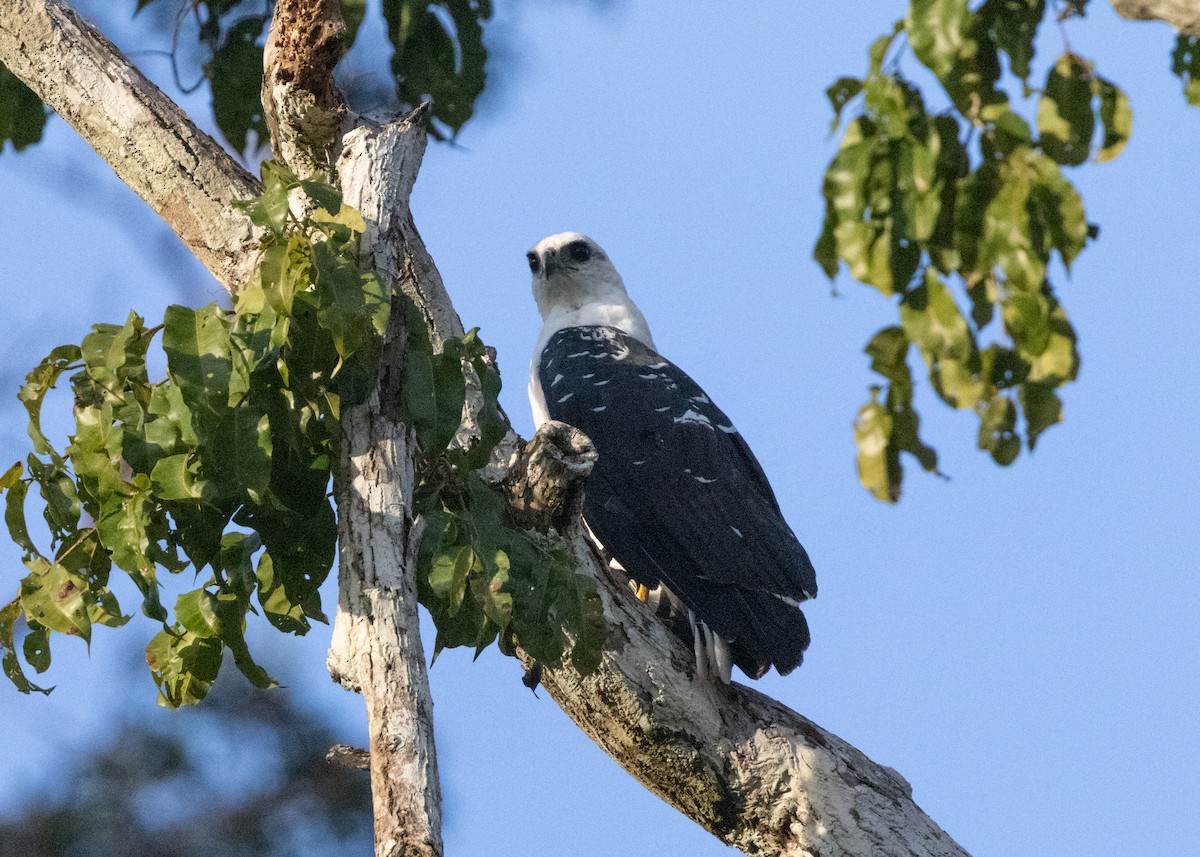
[[1065, 118], [1116, 118]]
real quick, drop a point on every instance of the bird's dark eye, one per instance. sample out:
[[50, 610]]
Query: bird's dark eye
[[534, 264], [580, 251]]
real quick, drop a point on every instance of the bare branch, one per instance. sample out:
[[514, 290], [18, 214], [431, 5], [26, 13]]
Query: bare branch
[[376, 647], [1183, 15], [349, 757], [376, 644], [144, 136]]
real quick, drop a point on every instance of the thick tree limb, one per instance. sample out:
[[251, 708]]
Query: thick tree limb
[[144, 136], [752, 772], [1183, 15], [376, 647], [756, 774]]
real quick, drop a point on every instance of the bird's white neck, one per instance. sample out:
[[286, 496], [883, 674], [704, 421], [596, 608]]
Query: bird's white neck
[[613, 310]]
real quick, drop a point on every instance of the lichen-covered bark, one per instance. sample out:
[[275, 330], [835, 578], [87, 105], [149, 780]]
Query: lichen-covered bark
[[756, 774], [759, 776], [1183, 15], [376, 645], [142, 134]]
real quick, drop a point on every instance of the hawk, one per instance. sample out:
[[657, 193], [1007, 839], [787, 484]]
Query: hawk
[[677, 498]]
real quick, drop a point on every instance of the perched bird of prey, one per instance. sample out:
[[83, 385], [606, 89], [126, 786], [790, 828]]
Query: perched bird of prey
[[676, 498]]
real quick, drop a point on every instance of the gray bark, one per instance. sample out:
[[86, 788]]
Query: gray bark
[[759, 776], [376, 645]]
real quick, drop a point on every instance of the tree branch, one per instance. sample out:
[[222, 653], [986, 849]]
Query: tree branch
[[376, 647], [303, 108], [756, 774], [1183, 15], [144, 136], [751, 771]]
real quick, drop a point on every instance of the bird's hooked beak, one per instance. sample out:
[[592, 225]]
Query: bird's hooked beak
[[550, 262]]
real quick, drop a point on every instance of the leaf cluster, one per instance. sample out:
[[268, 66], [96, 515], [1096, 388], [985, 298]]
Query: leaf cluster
[[438, 55], [958, 215], [221, 468], [481, 579]]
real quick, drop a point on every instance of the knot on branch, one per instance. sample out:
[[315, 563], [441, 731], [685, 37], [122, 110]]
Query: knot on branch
[[545, 486]]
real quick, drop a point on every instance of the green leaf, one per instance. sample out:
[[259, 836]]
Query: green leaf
[[1042, 409], [439, 54], [1006, 240], [591, 628], [840, 93], [11, 477], [434, 389], [1059, 360], [22, 114], [236, 73], [183, 665], [938, 33], [1056, 217], [54, 597], [1065, 118], [36, 647], [276, 604], [448, 576], [997, 433], [933, 321], [40, 381], [324, 195], [8, 652], [196, 611], [1185, 63], [888, 350], [57, 488], [176, 477], [872, 431], [1013, 25], [1116, 118], [14, 518]]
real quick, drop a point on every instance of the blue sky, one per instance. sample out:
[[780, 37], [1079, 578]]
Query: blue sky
[[1021, 644]]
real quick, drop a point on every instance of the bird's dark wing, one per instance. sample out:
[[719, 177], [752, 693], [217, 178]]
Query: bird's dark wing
[[678, 497]]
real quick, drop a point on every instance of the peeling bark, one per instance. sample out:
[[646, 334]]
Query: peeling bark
[[303, 108], [1183, 15], [142, 134], [759, 776]]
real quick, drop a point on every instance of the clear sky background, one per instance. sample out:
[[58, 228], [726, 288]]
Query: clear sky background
[[1021, 644]]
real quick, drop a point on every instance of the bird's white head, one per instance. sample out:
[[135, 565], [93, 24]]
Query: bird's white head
[[570, 271]]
